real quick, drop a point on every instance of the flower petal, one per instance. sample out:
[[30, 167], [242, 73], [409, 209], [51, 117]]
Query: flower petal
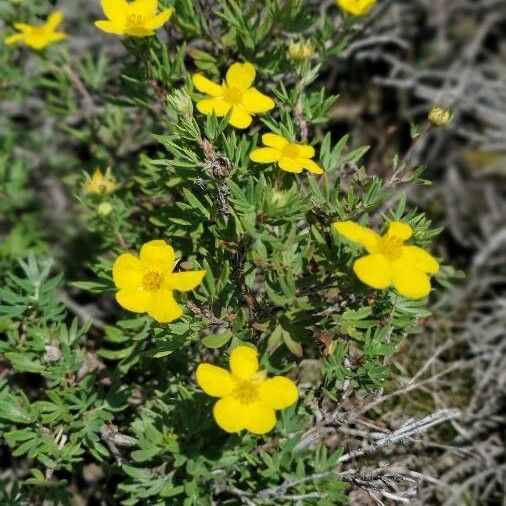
[[274, 140], [218, 106], [207, 86], [215, 381], [265, 155], [184, 281], [110, 27], [135, 300], [54, 20], [374, 270], [278, 392], [311, 166], [260, 418], [420, 259], [357, 233], [240, 117], [229, 414], [241, 75], [127, 271], [14, 38], [244, 361], [289, 164], [145, 8], [410, 282], [157, 255], [115, 9], [400, 230], [23, 27], [163, 307], [159, 20], [306, 151], [257, 102]]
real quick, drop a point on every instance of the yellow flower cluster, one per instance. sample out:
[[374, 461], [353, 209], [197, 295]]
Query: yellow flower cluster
[[247, 399]]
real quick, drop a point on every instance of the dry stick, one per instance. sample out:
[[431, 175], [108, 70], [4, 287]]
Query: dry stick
[[404, 432]]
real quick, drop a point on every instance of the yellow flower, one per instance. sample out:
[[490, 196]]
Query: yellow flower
[[100, 184], [289, 156], [390, 261], [38, 37], [356, 7], [235, 94], [300, 51], [146, 284], [137, 19], [248, 399], [440, 116]]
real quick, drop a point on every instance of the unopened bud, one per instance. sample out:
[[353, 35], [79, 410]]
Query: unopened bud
[[104, 209], [440, 116], [300, 51]]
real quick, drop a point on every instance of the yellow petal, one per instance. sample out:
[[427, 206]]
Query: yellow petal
[[14, 38], [374, 270], [159, 20], [241, 75], [56, 37], [311, 166], [139, 31], [244, 361], [157, 255], [115, 9], [207, 86], [305, 151], [218, 106], [356, 7], [257, 102], [274, 141], [265, 155], [420, 259], [400, 230], [229, 414], [135, 300], [240, 117], [162, 306], [214, 380], [110, 27], [184, 281], [127, 271], [410, 282], [145, 8], [289, 164], [357, 233], [22, 27], [54, 20], [260, 418], [278, 392]]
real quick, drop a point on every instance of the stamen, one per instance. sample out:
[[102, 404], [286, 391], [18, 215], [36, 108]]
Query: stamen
[[152, 281], [291, 151]]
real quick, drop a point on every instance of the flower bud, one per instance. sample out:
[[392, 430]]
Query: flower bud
[[104, 209], [440, 116], [300, 51]]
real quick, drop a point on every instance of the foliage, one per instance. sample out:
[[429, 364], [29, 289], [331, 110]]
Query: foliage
[[117, 389]]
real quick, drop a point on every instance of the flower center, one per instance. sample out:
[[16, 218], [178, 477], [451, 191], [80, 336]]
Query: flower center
[[152, 281], [233, 95], [246, 391], [391, 246], [134, 21], [291, 151], [38, 31]]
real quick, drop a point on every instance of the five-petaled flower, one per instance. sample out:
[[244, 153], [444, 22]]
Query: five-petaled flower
[[290, 156], [99, 183], [38, 37], [390, 261], [235, 95], [137, 19], [356, 7], [248, 399], [146, 284]]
